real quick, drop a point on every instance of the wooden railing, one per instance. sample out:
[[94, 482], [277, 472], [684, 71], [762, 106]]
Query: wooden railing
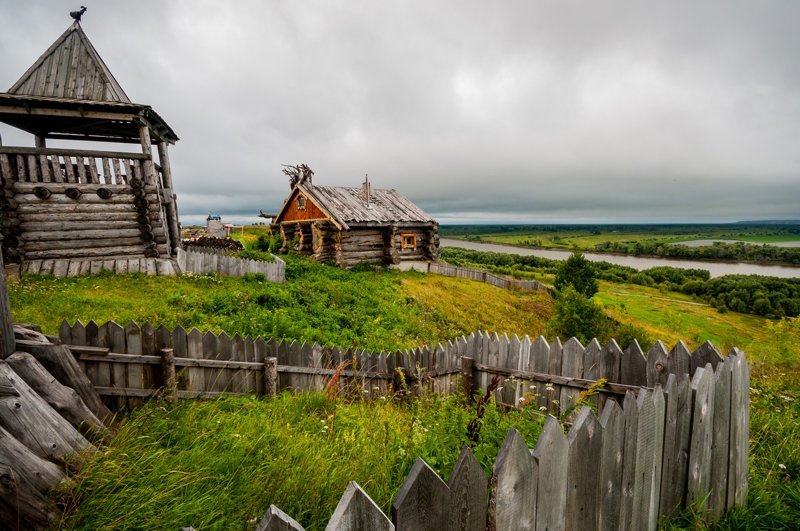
[[43, 165]]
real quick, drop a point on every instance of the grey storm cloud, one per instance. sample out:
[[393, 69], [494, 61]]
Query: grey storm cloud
[[509, 111]]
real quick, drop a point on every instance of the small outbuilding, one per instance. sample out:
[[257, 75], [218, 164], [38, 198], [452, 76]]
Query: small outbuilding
[[351, 225]]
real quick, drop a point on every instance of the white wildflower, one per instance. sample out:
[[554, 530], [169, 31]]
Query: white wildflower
[[782, 466]]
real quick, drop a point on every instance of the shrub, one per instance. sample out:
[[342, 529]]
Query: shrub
[[578, 316], [578, 272]]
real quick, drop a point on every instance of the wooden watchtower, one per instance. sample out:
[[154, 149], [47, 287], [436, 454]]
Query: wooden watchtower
[[69, 207]]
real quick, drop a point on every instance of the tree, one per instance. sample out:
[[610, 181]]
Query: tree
[[578, 272], [578, 316]]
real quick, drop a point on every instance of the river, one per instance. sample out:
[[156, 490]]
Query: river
[[717, 269]]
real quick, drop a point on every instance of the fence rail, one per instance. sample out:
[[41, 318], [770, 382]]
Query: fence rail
[[663, 440], [485, 276], [212, 262]]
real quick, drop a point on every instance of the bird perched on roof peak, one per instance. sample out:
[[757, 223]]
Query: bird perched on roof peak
[[78, 14]]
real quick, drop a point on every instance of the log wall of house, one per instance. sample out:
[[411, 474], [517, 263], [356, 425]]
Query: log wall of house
[[71, 205], [324, 242]]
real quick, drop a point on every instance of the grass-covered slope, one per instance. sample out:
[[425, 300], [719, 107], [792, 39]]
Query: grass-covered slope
[[220, 464], [383, 310]]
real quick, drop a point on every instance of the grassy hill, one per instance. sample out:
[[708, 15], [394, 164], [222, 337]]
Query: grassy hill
[[383, 310], [375, 310]]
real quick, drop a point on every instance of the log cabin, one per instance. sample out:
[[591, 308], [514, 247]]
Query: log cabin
[[66, 208], [351, 225]]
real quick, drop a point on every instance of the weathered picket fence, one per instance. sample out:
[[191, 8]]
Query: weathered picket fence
[[201, 262], [485, 276], [668, 441]]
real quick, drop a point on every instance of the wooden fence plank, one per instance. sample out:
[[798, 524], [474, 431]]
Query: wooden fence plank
[[680, 359], [657, 365], [659, 411], [628, 512], [149, 377], [740, 412], [539, 362], [277, 520], [705, 353], [422, 502], [261, 349], [571, 366], [224, 351], [721, 437], [357, 512], [195, 376], [210, 351], [117, 343], [468, 494], [677, 426], [585, 445], [552, 458], [591, 366], [514, 485], [133, 338], [555, 359], [645, 456], [238, 377], [609, 362], [633, 365], [609, 493], [699, 479]]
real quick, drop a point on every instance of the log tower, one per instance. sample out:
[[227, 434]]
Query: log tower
[[60, 205]]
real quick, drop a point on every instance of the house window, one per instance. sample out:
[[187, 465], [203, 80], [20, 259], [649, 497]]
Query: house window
[[408, 241], [301, 202]]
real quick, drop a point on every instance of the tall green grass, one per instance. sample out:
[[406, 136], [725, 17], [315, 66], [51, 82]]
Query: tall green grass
[[220, 464]]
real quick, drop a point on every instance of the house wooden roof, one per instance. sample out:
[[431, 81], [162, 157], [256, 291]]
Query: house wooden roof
[[346, 206], [69, 92], [70, 68]]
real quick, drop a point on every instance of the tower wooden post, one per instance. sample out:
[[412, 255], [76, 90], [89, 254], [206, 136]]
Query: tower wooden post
[[7, 343]]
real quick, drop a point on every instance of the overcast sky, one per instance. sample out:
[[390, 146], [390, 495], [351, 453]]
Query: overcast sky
[[540, 111]]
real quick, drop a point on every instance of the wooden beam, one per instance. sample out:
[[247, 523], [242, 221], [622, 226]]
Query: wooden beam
[[94, 138], [14, 150], [67, 113], [567, 381], [7, 342], [171, 205], [144, 139]]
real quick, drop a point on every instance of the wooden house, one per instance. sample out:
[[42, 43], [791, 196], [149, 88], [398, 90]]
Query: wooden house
[[350, 225], [62, 205]]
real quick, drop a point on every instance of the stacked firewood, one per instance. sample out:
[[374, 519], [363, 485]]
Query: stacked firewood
[[51, 417]]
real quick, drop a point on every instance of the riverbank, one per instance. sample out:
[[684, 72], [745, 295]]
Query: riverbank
[[715, 268]]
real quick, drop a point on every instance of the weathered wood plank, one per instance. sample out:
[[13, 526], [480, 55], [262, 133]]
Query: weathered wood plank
[[552, 458], [468, 494], [721, 419], [571, 366], [699, 479], [609, 494], [585, 445], [514, 485], [277, 520], [677, 426], [633, 365], [628, 511], [357, 512], [422, 501]]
